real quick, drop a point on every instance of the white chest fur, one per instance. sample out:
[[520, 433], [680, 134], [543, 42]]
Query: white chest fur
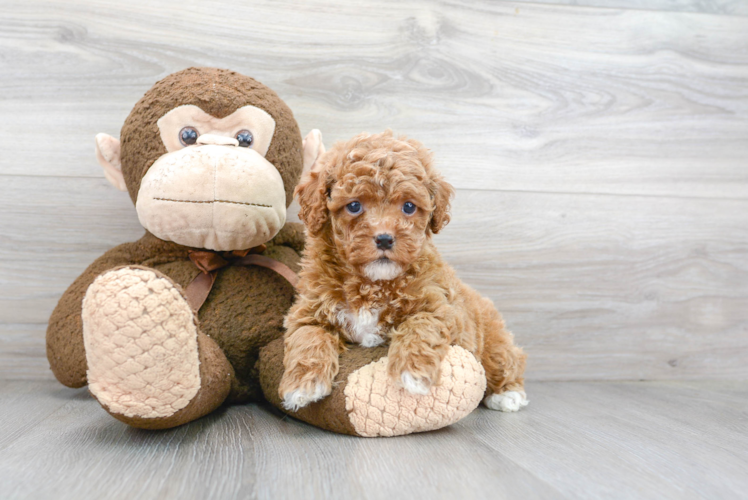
[[362, 326]]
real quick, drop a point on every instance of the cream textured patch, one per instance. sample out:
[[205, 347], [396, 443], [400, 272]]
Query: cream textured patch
[[214, 197], [379, 407], [256, 120], [141, 344]]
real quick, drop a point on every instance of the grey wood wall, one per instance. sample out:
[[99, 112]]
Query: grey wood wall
[[599, 148]]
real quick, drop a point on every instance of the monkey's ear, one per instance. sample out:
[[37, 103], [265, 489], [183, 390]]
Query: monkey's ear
[[108, 154], [313, 149]]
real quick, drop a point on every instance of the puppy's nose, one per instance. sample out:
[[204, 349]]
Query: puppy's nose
[[384, 241]]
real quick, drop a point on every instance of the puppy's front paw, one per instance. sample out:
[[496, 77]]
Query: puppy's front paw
[[416, 374], [310, 360], [415, 385], [299, 387], [371, 340], [295, 399], [507, 401]]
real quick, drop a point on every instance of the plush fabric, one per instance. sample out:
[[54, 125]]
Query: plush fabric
[[139, 332], [177, 204], [219, 93], [261, 124], [378, 407], [243, 312], [366, 401], [125, 327]]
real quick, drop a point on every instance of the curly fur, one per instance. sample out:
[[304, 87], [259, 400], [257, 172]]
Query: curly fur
[[407, 295]]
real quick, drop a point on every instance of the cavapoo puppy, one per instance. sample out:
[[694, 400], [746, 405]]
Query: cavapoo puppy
[[371, 274]]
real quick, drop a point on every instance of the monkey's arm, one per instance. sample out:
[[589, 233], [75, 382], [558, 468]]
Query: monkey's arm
[[65, 350]]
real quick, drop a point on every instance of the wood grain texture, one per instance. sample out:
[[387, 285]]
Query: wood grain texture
[[600, 154], [718, 7], [575, 440], [529, 97], [594, 287]]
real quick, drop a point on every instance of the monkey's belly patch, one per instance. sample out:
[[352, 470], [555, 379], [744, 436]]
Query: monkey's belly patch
[[378, 407], [141, 344]]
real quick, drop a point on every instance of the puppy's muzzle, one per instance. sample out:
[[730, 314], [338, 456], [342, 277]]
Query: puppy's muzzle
[[384, 241]]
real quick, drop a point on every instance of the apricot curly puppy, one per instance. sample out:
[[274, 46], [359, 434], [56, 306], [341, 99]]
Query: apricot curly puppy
[[371, 273]]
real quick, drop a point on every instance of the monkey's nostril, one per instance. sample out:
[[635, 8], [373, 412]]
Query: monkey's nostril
[[384, 241]]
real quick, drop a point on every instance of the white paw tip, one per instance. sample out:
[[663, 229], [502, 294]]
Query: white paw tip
[[506, 401], [371, 340], [414, 385], [295, 400]]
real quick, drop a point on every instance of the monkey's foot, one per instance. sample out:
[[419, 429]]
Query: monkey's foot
[[148, 363], [366, 402]]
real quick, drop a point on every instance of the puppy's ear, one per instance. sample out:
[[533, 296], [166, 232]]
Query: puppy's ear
[[441, 193], [312, 194], [440, 190]]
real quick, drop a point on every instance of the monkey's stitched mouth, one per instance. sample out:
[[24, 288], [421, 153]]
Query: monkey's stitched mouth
[[216, 201]]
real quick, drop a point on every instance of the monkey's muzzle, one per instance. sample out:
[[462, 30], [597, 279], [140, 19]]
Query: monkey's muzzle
[[215, 197]]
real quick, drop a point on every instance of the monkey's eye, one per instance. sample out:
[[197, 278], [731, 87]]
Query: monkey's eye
[[188, 136], [409, 208], [245, 138], [354, 208]]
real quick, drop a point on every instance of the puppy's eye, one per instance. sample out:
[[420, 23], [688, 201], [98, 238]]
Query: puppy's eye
[[245, 138], [354, 208], [188, 136], [409, 208]]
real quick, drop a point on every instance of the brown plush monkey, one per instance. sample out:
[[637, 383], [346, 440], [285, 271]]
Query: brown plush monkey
[[166, 329]]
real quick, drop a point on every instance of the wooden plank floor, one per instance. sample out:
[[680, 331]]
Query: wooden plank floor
[[576, 440]]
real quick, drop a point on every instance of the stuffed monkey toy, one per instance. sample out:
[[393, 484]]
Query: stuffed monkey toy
[[166, 329]]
